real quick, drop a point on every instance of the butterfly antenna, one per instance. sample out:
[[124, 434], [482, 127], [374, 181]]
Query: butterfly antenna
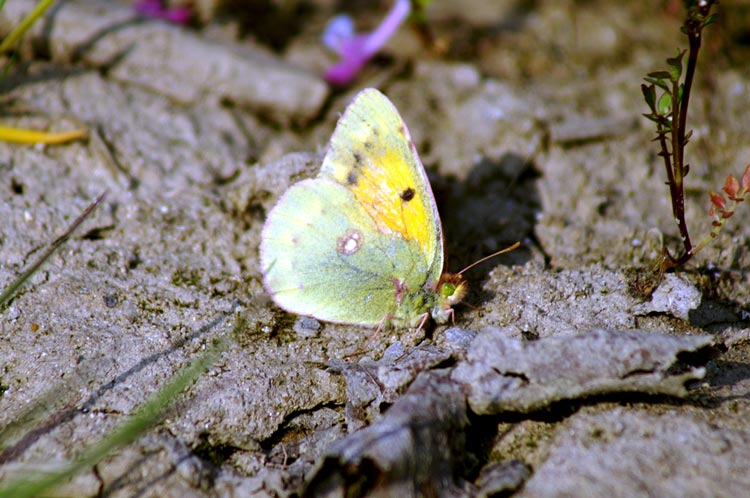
[[498, 253]]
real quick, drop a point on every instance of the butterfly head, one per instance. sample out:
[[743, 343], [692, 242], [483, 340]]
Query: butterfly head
[[450, 290]]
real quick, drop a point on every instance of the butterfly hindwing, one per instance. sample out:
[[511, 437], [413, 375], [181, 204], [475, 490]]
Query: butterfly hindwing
[[322, 256]]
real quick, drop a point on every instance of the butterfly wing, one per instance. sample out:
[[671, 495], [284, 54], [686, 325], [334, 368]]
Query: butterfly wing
[[372, 155], [322, 255]]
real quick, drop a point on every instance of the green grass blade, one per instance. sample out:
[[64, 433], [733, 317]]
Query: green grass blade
[[10, 41], [149, 415]]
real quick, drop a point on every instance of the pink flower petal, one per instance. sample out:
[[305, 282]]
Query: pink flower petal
[[356, 50], [156, 9]]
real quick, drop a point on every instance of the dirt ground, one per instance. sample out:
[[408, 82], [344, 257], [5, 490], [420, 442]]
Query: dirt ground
[[556, 379]]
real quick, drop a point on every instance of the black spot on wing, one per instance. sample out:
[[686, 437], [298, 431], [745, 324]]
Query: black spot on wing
[[352, 178], [359, 161], [407, 194]]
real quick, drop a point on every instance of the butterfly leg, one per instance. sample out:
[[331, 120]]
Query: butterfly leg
[[383, 323], [422, 322]]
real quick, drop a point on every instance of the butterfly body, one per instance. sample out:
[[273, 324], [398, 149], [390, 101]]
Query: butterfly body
[[361, 243]]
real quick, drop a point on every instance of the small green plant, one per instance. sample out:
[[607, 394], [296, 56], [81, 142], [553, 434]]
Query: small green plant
[[667, 95]]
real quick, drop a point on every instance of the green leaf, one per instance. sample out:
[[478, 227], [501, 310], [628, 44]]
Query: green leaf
[[661, 75], [664, 86], [676, 68], [649, 94], [660, 79], [664, 106]]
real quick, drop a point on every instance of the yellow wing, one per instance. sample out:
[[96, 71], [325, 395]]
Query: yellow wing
[[372, 154]]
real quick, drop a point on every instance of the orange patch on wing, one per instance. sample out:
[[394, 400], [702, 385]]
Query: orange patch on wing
[[372, 155], [385, 185]]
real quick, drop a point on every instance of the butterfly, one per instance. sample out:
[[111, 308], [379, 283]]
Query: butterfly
[[361, 243]]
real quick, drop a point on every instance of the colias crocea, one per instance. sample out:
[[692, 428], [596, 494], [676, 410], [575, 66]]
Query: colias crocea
[[361, 243]]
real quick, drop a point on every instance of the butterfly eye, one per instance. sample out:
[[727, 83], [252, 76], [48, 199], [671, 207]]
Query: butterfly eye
[[447, 289]]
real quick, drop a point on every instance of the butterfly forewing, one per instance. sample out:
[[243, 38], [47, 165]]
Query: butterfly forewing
[[371, 153]]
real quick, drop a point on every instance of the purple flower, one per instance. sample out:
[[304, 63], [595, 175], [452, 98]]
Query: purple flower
[[156, 9], [355, 49]]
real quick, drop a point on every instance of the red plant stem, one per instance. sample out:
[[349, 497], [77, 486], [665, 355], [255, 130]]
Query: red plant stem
[[694, 40], [676, 175], [676, 184], [668, 166]]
